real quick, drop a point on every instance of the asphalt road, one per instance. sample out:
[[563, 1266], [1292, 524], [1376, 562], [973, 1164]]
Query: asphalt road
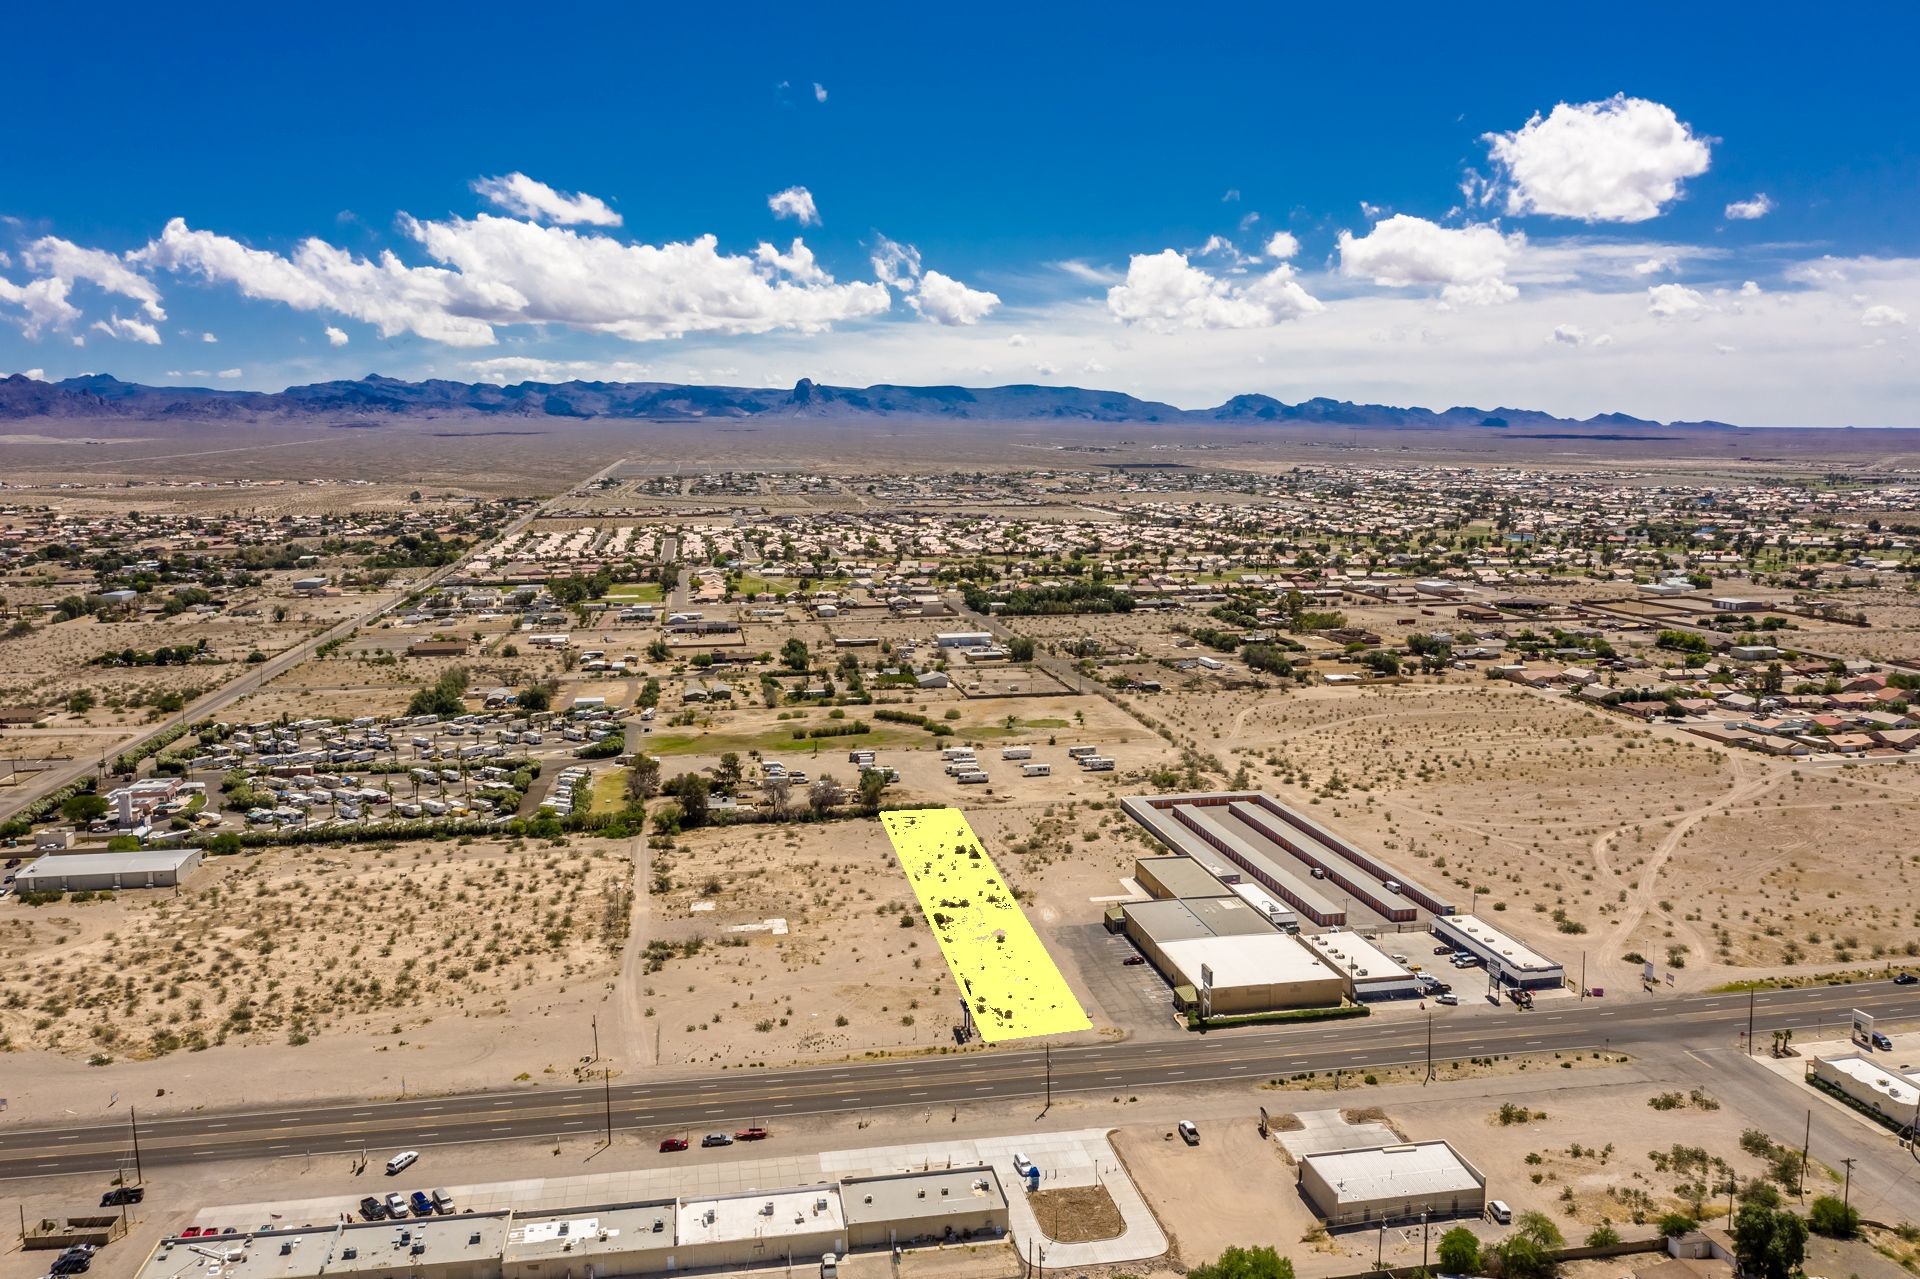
[[256, 677], [690, 1106]]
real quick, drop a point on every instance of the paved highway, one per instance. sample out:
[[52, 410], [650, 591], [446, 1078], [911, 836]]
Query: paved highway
[[256, 677], [696, 1104]]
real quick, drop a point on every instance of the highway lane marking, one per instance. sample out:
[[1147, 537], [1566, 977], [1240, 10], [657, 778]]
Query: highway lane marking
[[917, 1094], [431, 1108], [434, 1133], [841, 1075], [75, 1137]]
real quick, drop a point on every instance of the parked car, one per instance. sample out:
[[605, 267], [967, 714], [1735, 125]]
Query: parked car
[[1443, 950], [716, 1139], [1448, 999], [1881, 1042], [191, 1232], [123, 1195], [396, 1205], [422, 1205], [1022, 1164], [1133, 960], [672, 1144], [1189, 1133], [1905, 979], [755, 1133], [443, 1203], [402, 1161], [372, 1209]]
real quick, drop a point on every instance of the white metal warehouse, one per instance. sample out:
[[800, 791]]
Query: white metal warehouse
[[95, 872]]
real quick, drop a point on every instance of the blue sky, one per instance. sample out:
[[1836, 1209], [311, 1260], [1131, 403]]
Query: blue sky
[[1546, 213]]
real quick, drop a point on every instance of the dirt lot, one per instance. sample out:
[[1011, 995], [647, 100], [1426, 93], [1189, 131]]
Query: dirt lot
[[267, 973]]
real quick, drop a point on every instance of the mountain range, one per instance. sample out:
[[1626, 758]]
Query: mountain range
[[100, 395]]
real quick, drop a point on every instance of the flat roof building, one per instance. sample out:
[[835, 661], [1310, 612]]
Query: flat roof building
[[929, 1207], [97, 872], [1253, 974], [1895, 1098], [1370, 972], [1166, 877], [615, 1239], [1513, 962], [1384, 1184]]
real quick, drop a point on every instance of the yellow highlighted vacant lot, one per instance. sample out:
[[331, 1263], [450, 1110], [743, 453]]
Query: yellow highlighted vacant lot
[[1006, 974]]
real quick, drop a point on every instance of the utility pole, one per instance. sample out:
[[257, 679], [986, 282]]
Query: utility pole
[[606, 1091], [1423, 1243], [1583, 974], [1429, 1078], [1846, 1187], [1049, 1060], [1380, 1246], [1749, 1023], [596, 1036], [133, 1125], [1806, 1149]]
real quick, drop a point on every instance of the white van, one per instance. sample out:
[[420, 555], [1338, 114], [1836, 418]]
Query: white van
[[402, 1161], [1498, 1210]]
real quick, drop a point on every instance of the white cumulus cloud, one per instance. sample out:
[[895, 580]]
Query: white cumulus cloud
[[1568, 335], [335, 337], [1674, 301], [528, 198], [1282, 245], [796, 203], [1620, 160], [1164, 291], [1750, 210], [230, 374], [1877, 317], [46, 301], [819, 92], [501, 271], [1468, 263], [944, 300], [129, 329]]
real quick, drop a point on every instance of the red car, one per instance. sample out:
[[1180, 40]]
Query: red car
[[672, 1144], [191, 1232], [751, 1134]]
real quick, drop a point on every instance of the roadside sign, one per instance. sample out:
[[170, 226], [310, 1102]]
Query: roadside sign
[[1862, 1027], [1646, 971]]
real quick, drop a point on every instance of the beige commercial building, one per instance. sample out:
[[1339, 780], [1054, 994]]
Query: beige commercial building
[[1387, 1184], [794, 1226]]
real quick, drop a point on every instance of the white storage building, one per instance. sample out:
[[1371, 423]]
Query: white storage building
[[95, 872], [1384, 1184], [1513, 962]]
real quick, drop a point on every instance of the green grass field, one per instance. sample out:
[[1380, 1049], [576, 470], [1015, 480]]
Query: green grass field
[[636, 593]]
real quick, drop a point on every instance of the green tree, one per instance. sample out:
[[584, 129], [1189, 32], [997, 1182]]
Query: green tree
[[1020, 648], [693, 792], [872, 783], [535, 697], [81, 702], [1768, 1242], [1603, 1236], [1675, 1224], [1528, 1253], [727, 773], [1246, 1263], [794, 653], [444, 697], [1460, 1252], [1831, 1217], [643, 778], [82, 809]]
